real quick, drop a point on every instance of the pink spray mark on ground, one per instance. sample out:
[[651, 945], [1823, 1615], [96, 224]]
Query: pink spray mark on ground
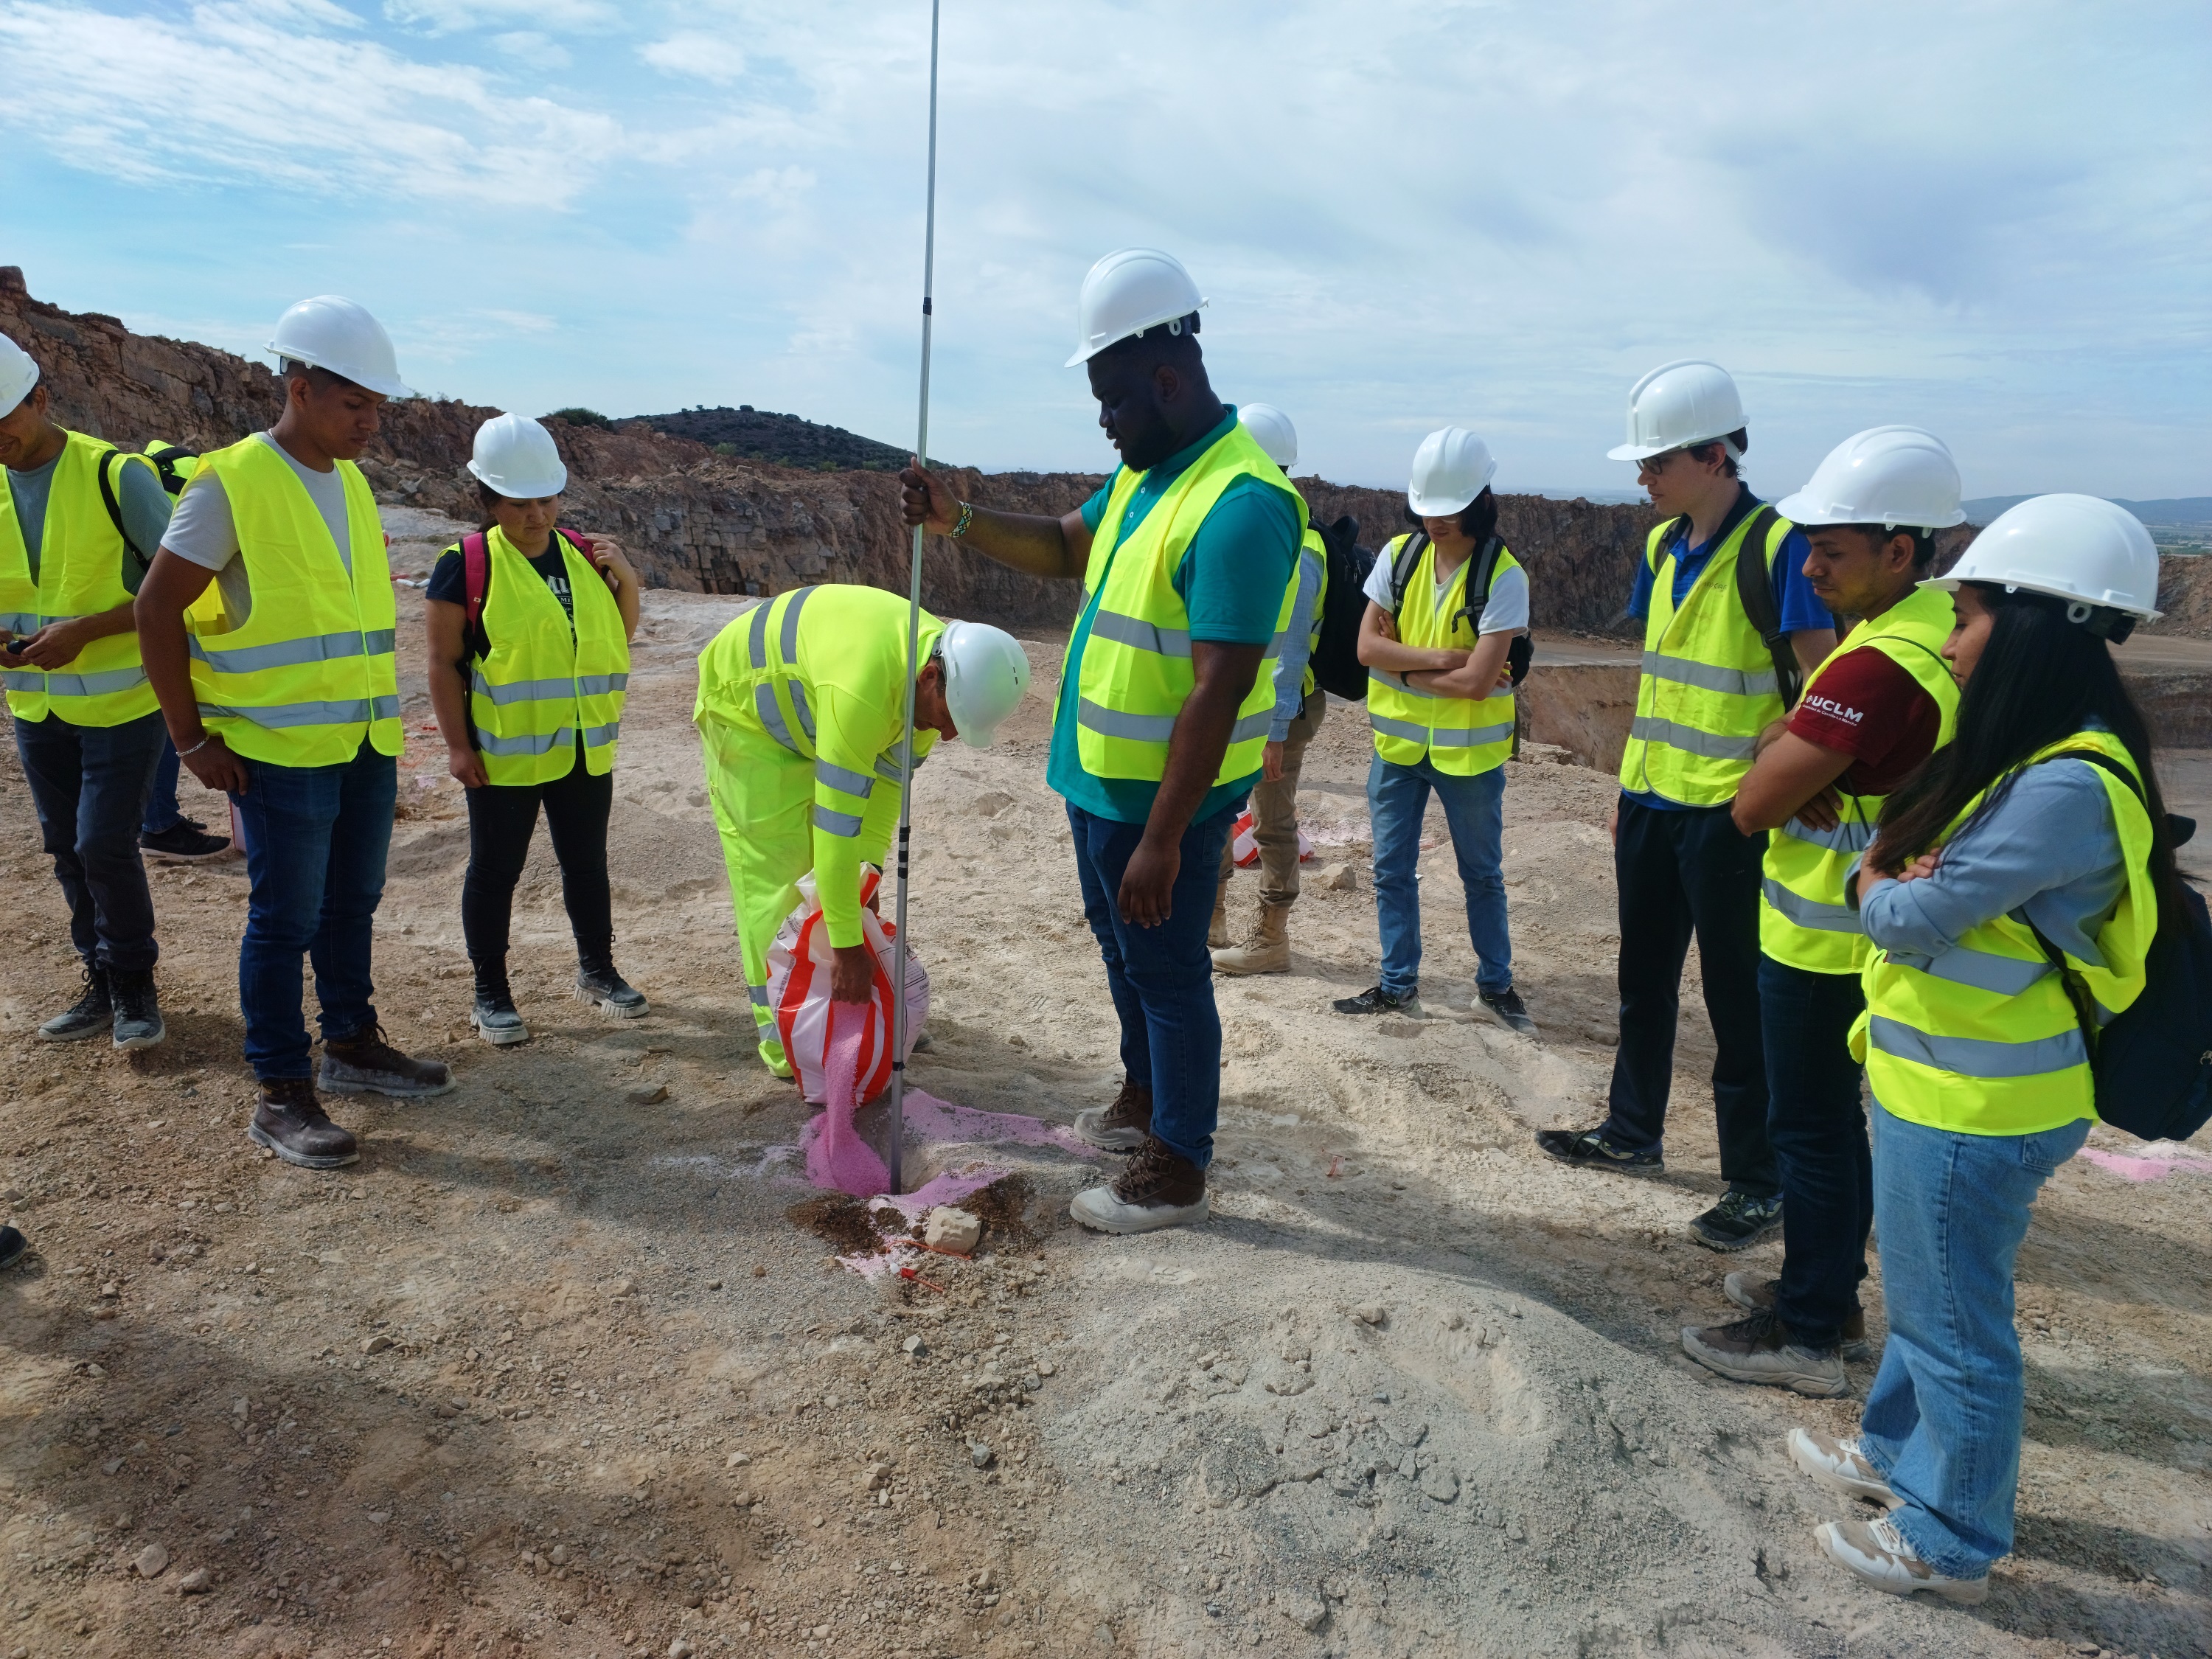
[[2163, 1159], [837, 1156]]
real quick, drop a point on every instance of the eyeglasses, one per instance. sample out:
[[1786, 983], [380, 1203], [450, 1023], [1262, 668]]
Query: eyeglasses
[[1652, 465]]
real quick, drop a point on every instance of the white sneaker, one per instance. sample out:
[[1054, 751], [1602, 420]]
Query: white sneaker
[[1878, 1553], [1157, 1190], [1840, 1465]]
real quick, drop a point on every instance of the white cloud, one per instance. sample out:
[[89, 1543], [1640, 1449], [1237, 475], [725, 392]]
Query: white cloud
[[453, 16], [533, 49], [704, 57]]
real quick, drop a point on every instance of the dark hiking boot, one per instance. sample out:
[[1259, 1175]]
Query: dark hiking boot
[[1124, 1125], [291, 1123], [610, 993], [137, 1022], [92, 1013], [1506, 1008], [185, 842], [1588, 1149], [497, 1021], [1376, 1001], [13, 1244], [365, 1063], [1217, 930], [1759, 1348], [1752, 1295], [1157, 1189], [1737, 1220]]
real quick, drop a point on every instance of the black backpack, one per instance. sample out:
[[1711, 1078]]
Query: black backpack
[[2153, 1063], [1522, 651], [1754, 591], [1337, 669]]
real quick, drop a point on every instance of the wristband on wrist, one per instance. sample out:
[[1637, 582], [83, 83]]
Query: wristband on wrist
[[967, 512], [183, 754]]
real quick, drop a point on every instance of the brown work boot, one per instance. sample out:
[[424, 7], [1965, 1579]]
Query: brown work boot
[[1216, 930], [1268, 950], [1756, 1295], [291, 1123], [365, 1063], [1122, 1127], [1157, 1189]]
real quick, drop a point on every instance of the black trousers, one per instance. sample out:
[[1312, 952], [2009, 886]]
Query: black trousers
[[1820, 1133], [1681, 873], [502, 819]]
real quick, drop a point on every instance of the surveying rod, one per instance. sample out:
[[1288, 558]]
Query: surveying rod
[[913, 649]]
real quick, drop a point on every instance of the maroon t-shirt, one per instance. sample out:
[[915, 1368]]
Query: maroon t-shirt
[[1865, 706]]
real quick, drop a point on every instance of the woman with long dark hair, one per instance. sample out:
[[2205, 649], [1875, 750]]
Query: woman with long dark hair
[[530, 627], [2019, 875]]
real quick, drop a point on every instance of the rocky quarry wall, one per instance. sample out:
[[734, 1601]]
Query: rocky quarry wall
[[707, 523]]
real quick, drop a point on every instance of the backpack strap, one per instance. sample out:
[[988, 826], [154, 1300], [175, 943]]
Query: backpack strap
[[476, 579], [1408, 560], [1754, 591], [165, 459], [1476, 594], [109, 471]]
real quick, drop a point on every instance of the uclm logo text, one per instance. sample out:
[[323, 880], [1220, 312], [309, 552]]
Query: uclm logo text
[[1830, 706]]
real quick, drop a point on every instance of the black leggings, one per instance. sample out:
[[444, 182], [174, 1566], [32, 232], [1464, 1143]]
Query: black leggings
[[501, 820]]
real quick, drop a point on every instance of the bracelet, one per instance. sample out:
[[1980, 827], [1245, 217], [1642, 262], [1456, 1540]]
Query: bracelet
[[186, 754], [967, 512]]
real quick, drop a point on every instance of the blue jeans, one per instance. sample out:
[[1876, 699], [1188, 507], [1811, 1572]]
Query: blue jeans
[[88, 786], [1818, 1133], [162, 811], [316, 838], [1943, 1421], [1161, 978], [1475, 812]]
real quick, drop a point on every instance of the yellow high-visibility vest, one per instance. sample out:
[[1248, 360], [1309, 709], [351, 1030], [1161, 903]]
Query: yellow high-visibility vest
[[1803, 918], [1709, 687], [310, 674], [81, 555], [1983, 1039], [1136, 671], [1462, 737], [1313, 556], [542, 684]]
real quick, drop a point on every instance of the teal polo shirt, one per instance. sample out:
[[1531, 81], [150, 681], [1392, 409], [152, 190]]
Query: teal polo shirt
[[1232, 580]]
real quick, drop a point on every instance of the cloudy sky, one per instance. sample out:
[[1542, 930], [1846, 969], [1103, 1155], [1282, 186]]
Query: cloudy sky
[[1992, 219]]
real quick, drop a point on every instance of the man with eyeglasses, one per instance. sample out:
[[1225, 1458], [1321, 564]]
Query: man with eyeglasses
[[1731, 626]]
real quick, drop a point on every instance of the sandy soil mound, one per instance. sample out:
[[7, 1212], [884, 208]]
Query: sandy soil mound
[[556, 1369]]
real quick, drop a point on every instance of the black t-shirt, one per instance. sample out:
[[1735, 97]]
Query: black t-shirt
[[449, 581]]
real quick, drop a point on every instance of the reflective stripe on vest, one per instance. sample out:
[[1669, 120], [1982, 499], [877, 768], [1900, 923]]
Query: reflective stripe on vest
[[1136, 670], [1803, 920], [1708, 688], [310, 673], [81, 555], [1984, 1039], [1313, 567], [547, 679], [1461, 737]]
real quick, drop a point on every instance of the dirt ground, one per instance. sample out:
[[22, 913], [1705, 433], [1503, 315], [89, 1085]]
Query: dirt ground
[[554, 1370]]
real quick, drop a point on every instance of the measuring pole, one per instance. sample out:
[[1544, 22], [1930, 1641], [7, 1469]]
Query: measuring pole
[[913, 650]]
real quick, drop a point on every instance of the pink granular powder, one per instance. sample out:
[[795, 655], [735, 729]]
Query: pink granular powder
[[837, 1156], [2166, 1158]]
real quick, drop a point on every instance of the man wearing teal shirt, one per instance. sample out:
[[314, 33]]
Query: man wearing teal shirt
[[1148, 854]]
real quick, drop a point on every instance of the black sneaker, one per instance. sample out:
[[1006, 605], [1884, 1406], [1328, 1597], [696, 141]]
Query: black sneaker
[[137, 1014], [1588, 1149], [89, 1015], [12, 1246], [497, 1021], [1755, 1295], [1376, 1001], [610, 993], [291, 1123], [1737, 1220], [1506, 1008], [185, 842]]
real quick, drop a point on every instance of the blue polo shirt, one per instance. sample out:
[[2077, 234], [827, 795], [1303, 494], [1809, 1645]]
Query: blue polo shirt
[[1232, 580], [1799, 606]]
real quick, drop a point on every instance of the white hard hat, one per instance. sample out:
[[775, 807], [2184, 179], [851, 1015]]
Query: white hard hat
[[1678, 403], [515, 456], [1450, 469], [1272, 430], [2083, 548], [1887, 474], [18, 374], [1128, 292], [986, 671], [336, 334]]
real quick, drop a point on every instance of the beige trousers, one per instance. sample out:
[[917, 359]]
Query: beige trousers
[[1275, 810]]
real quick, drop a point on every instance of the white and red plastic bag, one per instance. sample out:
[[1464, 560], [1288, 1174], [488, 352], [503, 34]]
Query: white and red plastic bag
[[799, 964], [1244, 842]]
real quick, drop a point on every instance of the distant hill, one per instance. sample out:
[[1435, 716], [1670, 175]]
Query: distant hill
[[2174, 510], [754, 434]]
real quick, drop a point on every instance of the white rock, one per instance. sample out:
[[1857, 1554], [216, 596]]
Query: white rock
[[1337, 878], [1440, 1483], [914, 1348], [195, 1582], [1305, 1611], [151, 1560], [981, 1453], [950, 1229]]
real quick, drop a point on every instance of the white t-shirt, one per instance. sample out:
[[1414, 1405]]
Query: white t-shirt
[[202, 532], [1506, 612]]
